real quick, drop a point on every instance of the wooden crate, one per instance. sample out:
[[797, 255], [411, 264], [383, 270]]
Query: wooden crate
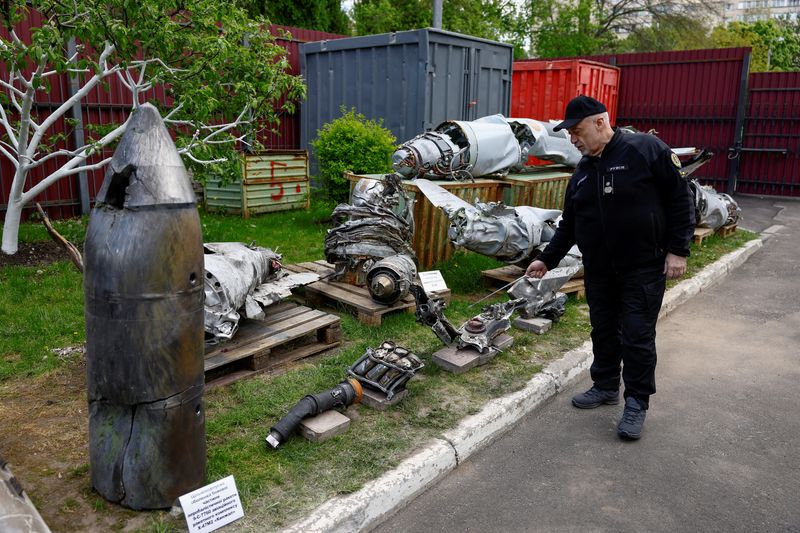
[[272, 180], [430, 240], [288, 333], [497, 277], [354, 298], [542, 187]]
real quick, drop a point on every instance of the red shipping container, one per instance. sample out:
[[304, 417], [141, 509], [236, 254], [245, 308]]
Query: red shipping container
[[540, 89]]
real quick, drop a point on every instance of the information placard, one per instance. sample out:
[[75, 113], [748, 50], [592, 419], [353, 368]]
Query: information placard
[[432, 281], [213, 506]]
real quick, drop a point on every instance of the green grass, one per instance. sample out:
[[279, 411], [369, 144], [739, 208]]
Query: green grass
[[72, 229], [298, 235], [42, 308]]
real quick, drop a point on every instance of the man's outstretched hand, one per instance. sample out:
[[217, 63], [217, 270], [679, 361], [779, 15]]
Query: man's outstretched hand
[[536, 269]]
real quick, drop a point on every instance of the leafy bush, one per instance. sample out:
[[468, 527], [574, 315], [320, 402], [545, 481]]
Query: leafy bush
[[351, 143]]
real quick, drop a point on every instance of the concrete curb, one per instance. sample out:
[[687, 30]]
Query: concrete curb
[[378, 499]]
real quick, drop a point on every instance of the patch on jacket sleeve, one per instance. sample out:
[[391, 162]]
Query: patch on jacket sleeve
[[675, 160]]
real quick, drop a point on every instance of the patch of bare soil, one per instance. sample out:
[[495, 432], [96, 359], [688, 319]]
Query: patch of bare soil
[[35, 254], [44, 438]]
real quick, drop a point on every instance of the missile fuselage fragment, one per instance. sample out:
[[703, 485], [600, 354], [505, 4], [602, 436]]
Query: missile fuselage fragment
[[144, 324]]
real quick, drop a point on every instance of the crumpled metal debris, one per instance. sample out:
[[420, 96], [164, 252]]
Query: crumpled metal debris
[[537, 138], [494, 144], [458, 149], [541, 295], [510, 234], [241, 279], [713, 209], [17, 512], [378, 224], [478, 332]]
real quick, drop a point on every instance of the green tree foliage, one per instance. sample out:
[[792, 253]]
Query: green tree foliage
[[322, 15], [384, 16], [584, 27], [781, 37], [216, 62], [668, 32], [488, 19], [566, 28], [351, 143]]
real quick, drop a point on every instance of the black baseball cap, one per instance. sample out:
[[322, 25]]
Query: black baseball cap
[[578, 109]]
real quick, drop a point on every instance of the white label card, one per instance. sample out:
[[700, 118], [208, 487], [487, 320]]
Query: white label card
[[432, 281], [213, 506]]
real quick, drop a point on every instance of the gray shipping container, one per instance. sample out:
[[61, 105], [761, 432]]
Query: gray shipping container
[[413, 80]]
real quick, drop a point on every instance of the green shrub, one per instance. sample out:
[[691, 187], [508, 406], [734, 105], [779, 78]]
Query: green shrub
[[351, 143]]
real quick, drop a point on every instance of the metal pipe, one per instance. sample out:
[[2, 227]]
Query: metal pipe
[[344, 394], [437, 14]]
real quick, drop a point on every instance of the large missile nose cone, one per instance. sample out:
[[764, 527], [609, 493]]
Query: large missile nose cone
[[146, 168]]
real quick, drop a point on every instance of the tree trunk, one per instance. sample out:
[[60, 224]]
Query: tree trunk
[[11, 226]]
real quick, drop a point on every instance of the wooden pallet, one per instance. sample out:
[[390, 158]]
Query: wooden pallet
[[726, 231], [354, 298], [700, 234], [288, 333], [501, 276]]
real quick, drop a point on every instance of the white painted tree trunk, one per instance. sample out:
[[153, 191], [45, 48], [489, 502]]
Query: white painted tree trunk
[[11, 227]]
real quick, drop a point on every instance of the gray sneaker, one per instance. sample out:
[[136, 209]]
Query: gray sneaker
[[595, 397], [632, 421]]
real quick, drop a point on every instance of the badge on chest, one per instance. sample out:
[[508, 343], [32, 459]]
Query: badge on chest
[[608, 184]]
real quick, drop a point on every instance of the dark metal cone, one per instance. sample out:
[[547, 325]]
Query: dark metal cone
[[144, 324]]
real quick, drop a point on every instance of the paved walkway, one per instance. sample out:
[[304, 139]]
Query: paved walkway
[[721, 448]]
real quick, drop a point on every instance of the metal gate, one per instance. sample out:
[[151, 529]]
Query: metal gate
[[770, 152]]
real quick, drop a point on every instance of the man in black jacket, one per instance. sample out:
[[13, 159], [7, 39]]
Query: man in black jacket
[[631, 214]]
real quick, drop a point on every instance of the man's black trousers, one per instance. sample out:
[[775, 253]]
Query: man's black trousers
[[623, 308]]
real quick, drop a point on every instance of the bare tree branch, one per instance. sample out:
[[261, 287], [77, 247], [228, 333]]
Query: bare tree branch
[[71, 166], [72, 250], [9, 130], [77, 97], [9, 156]]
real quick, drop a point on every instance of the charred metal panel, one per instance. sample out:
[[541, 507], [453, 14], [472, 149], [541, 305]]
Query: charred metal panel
[[144, 324], [376, 226]]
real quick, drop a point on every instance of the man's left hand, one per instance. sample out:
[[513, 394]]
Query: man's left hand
[[674, 266]]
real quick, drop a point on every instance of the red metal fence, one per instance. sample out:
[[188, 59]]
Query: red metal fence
[[770, 153], [110, 104], [690, 98]]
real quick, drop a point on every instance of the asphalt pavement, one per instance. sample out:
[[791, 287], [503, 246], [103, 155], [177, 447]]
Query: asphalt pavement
[[720, 448]]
